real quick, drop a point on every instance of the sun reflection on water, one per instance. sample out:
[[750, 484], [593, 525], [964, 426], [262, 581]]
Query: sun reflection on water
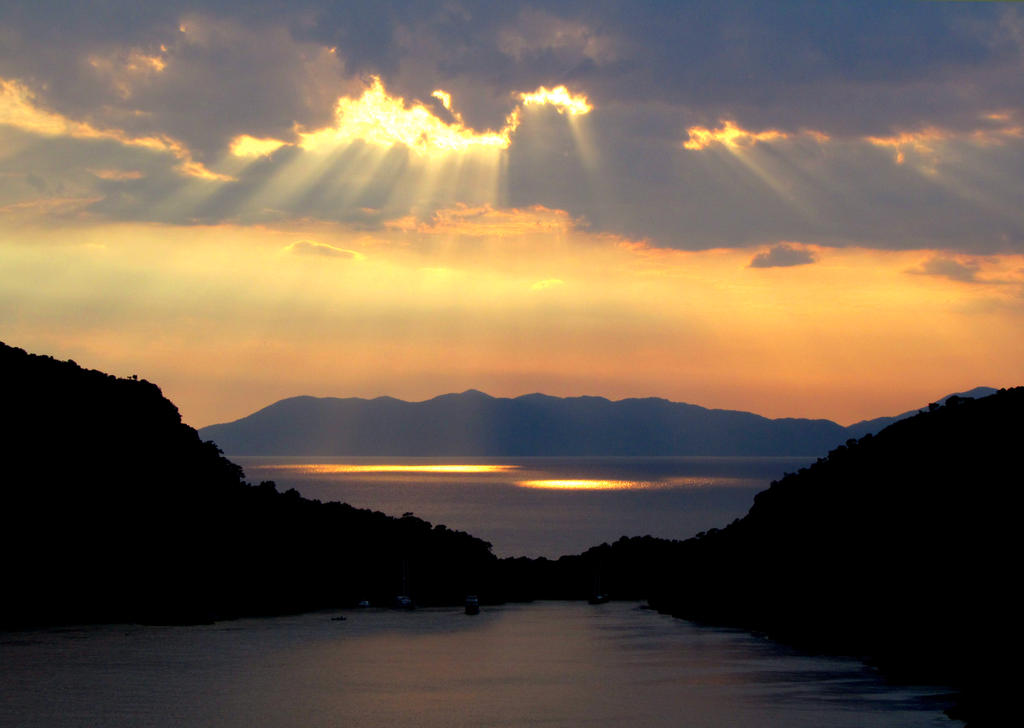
[[331, 468], [586, 484], [606, 484]]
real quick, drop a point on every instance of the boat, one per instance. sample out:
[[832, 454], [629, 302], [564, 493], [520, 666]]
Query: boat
[[403, 601], [597, 596]]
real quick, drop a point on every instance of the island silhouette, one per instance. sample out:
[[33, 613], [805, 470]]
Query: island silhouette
[[476, 424]]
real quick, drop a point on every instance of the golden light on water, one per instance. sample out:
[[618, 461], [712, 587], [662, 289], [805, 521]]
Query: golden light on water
[[573, 484], [604, 484], [703, 481], [586, 484], [332, 468]]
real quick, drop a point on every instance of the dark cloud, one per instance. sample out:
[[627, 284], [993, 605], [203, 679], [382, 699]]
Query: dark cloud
[[652, 69], [954, 270], [835, 193], [781, 256], [841, 67], [222, 76]]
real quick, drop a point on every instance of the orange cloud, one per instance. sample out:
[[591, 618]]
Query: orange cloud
[[377, 117], [921, 141], [125, 69], [729, 135], [925, 141], [444, 97], [18, 108], [117, 175], [559, 97], [46, 206], [249, 146]]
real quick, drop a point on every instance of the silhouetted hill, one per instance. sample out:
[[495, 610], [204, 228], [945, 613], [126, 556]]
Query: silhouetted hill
[[114, 510], [902, 547], [870, 427], [473, 423]]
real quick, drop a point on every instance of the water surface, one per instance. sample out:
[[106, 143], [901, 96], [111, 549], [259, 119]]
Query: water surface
[[546, 664], [538, 506]]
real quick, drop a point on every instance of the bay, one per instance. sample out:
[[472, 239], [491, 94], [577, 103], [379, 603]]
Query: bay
[[550, 663], [541, 506]]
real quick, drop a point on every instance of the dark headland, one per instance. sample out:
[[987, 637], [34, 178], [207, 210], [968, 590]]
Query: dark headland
[[116, 511], [900, 547]]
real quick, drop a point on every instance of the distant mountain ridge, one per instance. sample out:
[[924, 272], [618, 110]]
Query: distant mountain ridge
[[864, 427], [473, 423]]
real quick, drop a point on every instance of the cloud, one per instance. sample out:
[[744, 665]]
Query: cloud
[[535, 33], [52, 207], [196, 77], [485, 221], [964, 271], [783, 255], [992, 129], [699, 135], [19, 109], [894, 65], [117, 175], [987, 271], [729, 135], [379, 118], [311, 247], [249, 146]]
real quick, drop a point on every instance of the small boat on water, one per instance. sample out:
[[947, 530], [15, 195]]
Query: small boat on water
[[472, 604], [597, 595], [402, 601]]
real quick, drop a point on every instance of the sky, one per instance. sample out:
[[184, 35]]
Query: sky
[[808, 209]]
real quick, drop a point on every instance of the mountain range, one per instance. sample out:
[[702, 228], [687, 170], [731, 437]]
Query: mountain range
[[475, 424]]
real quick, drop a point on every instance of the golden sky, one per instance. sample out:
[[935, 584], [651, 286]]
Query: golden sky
[[418, 227]]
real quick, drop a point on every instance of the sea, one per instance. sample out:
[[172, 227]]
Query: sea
[[549, 664], [539, 506], [546, 664]]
